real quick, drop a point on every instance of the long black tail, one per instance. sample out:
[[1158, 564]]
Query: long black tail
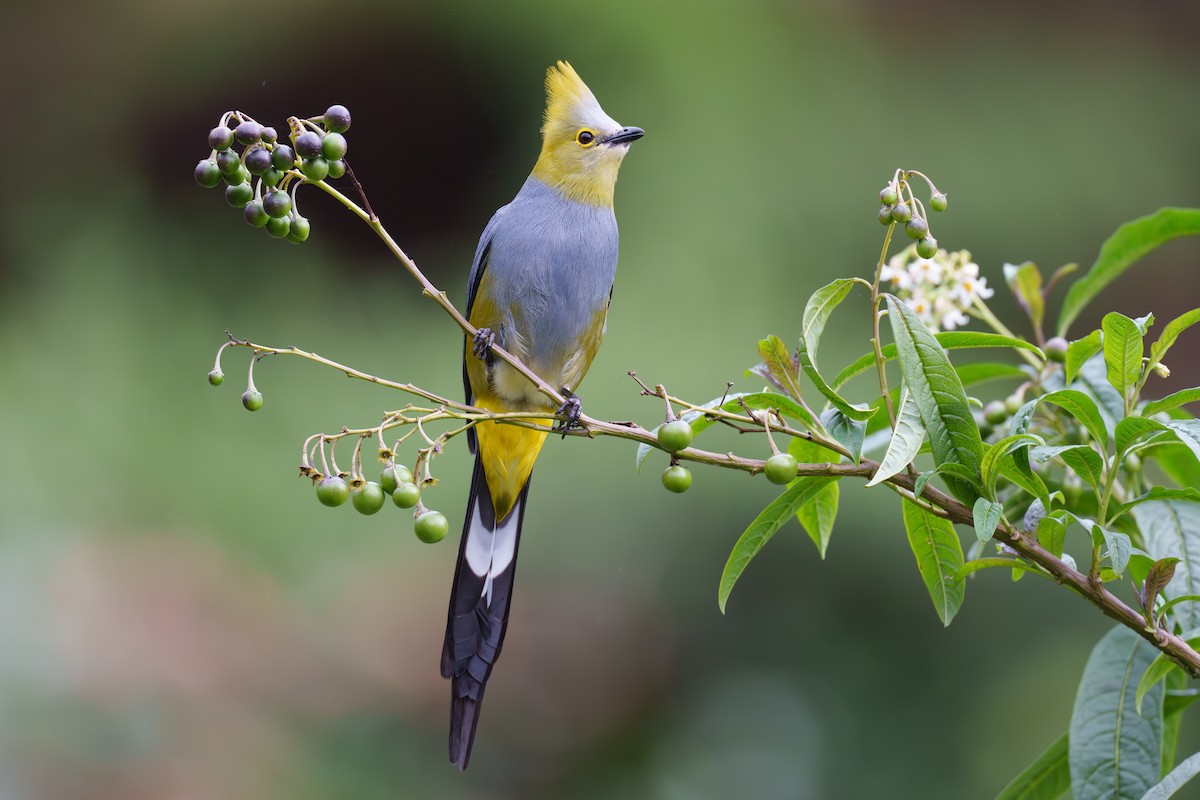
[[479, 601]]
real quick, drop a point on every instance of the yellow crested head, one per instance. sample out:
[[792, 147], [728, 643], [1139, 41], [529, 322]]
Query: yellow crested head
[[582, 147]]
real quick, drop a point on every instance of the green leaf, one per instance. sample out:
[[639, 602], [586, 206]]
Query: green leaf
[[983, 371], [1171, 333], [1052, 534], [856, 412], [1171, 401], [939, 558], [1128, 243], [1171, 529], [818, 515], [1187, 495], [949, 340], [938, 394], [1047, 778], [1157, 578], [1154, 673], [1081, 458], [1114, 752], [1187, 431], [1078, 352], [845, 431], [906, 440], [1130, 429], [779, 363], [819, 307], [1119, 549], [1029, 481], [778, 511], [1172, 720], [1026, 284], [986, 515], [1175, 780], [990, 466], [1082, 408], [1093, 376], [1122, 351]]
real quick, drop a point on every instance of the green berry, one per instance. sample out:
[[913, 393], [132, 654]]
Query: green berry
[[888, 195], [675, 435], [1133, 462], [367, 497], [916, 228], [901, 212], [995, 412], [238, 176], [279, 226], [885, 215], [1013, 403], [337, 168], [239, 195], [298, 230], [393, 476], [938, 201], [208, 174], [252, 399], [228, 161], [333, 146], [269, 134], [927, 247], [781, 468], [258, 160], [283, 157], [248, 132], [332, 491], [431, 527], [308, 144], [220, 138], [1056, 349], [277, 203], [406, 495], [256, 215], [216, 377], [337, 119], [315, 169], [271, 177], [676, 479]]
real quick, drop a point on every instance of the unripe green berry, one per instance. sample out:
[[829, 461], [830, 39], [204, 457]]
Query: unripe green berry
[[888, 195], [315, 169], [901, 212], [252, 399], [238, 176], [675, 435], [885, 215], [406, 495], [228, 161], [279, 226], [431, 527], [220, 138], [308, 144], [269, 134], [332, 491], [1133, 462], [298, 230], [927, 247], [255, 214], [995, 412], [337, 168], [677, 479], [938, 201], [283, 157], [208, 174], [277, 203], [1056, 349], [393, 475], [1013, 403], [333, 146], [916, 228], [216, 377], [367, 498], [781, 468], [337, 119], [239, 195], [271, 177]]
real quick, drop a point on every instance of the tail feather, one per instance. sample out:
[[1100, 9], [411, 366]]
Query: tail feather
[[479, 604]]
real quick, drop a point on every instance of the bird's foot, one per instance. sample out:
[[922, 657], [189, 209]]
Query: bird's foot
[[481, 344], [569, 413]]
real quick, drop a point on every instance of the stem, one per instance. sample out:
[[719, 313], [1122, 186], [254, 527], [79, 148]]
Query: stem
[[876, 313], [987, 316]]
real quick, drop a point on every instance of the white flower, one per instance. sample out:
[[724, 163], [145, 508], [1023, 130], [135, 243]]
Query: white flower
[[968, 288], [925, 270]]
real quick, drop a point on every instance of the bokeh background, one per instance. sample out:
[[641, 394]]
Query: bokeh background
[[180, 619]]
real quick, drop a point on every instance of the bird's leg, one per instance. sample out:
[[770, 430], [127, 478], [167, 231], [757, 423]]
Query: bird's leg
[[570, 411], [481, 344]]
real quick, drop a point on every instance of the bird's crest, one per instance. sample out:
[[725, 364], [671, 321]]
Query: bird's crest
[[567, 97]]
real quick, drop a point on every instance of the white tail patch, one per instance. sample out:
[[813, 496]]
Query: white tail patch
[[488, 552]]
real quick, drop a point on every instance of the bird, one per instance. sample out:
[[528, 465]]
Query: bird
[[540, 287]]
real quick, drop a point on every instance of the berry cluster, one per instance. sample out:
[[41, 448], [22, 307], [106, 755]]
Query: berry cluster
[[900, 205], [368, 497], [262, 178]]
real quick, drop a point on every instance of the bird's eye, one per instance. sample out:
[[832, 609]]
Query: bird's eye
[[585, 137]]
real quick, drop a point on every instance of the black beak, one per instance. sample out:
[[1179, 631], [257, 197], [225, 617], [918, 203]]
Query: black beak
[[625, 135]]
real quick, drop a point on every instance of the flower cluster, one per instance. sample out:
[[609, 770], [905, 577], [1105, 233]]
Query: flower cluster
[[942, 290]]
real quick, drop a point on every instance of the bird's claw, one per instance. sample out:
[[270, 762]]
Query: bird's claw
[[482, 342], [569, 412]]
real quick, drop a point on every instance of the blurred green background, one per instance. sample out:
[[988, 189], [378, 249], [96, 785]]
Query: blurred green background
[[180, 619]]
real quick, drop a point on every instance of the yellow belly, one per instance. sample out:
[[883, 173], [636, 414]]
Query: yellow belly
[[507, 453]]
